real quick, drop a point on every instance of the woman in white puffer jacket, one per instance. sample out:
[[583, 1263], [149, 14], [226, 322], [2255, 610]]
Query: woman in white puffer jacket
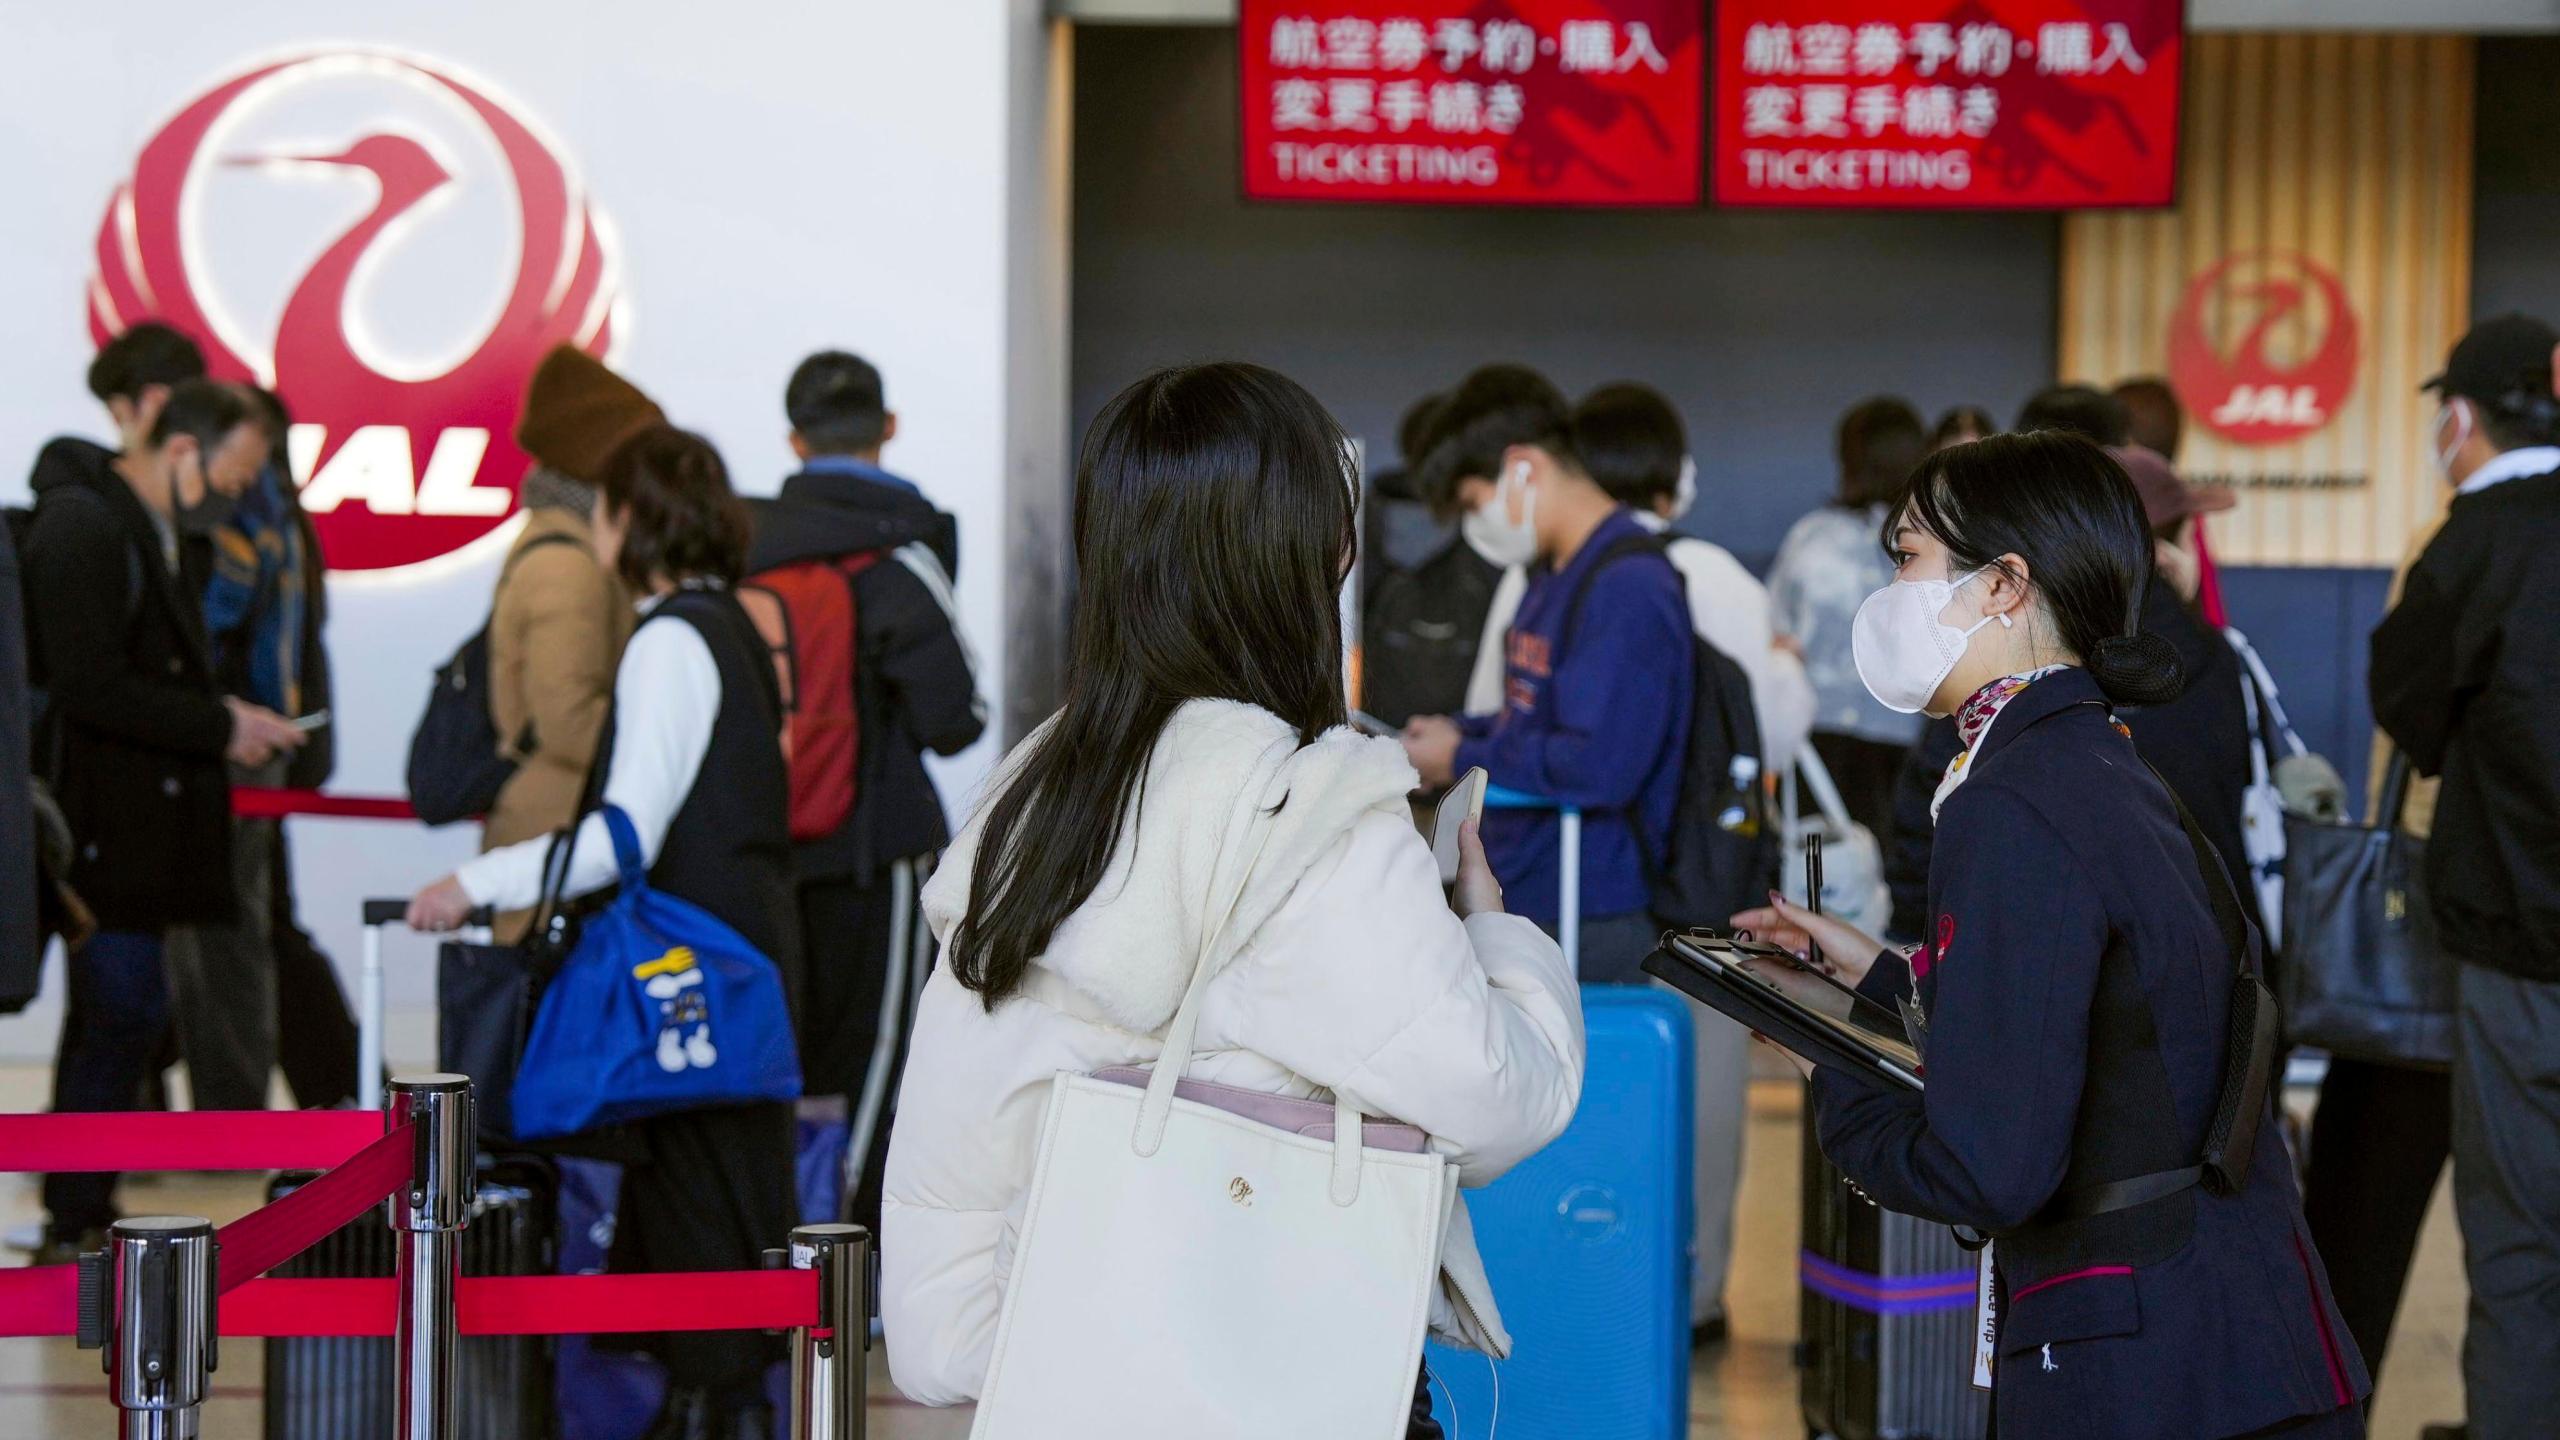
[[1205, 710]]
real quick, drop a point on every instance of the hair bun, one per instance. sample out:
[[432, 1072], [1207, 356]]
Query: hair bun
[[2137, 669]]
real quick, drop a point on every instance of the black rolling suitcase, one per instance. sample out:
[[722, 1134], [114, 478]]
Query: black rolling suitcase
[[1888, 1319], [344, 1387]]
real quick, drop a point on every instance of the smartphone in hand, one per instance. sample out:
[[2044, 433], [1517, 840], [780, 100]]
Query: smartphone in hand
[[1464, 802], [1368, 724]]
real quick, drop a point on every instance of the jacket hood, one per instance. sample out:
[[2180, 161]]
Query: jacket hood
[[819, 516], [1232, 813], [70, 460]]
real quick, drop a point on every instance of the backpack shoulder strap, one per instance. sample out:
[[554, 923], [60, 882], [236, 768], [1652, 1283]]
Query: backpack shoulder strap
[[1617, 551]]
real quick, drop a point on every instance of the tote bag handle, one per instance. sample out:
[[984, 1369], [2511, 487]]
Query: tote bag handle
[[1156, 1110], [626, 850]]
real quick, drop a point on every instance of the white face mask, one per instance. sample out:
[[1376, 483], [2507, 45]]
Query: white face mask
[[1902, 649], [2449, 450], [1687, 494], [1488, 527]]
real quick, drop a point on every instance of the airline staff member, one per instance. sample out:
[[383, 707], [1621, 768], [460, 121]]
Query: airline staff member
[[2074, 994]]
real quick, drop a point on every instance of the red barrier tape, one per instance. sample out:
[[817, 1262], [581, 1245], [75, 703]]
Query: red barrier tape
[[256, 804], [258, 1242], [39, 1302], [202, 1140]]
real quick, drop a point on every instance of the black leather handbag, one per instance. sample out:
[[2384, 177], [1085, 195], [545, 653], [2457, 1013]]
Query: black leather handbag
[[2363, 974]]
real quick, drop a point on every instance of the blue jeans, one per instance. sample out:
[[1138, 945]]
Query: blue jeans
[[112, 1032]]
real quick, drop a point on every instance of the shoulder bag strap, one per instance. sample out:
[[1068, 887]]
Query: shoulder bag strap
[[1156, 1110], [2248, 1058]]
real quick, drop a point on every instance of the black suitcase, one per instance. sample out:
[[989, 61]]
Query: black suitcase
[[1888, 1319], [345, 1387]]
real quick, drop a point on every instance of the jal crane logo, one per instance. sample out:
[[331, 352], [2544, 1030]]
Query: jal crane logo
[[389, 247], [2264, 347]]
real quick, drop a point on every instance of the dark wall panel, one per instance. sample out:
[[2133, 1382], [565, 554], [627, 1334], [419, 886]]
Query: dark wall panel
[[2515, 257]]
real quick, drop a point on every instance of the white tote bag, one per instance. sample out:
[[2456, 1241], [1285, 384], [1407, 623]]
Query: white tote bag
[[1183, 1271]]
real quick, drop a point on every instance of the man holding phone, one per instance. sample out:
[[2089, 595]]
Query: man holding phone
[[261, 598], [1597, 673]]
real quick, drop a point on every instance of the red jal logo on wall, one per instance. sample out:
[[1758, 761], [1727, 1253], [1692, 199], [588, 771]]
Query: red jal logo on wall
[[392, 250], [2264, 347]]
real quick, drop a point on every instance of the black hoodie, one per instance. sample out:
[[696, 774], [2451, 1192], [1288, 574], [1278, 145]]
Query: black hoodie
[[915, 682], [134, 727]]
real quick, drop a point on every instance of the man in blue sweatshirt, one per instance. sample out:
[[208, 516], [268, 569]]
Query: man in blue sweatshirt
[[1597, 665]]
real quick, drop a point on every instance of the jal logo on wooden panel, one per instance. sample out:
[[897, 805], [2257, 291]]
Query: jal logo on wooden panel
[[2263, 347], [391, 248]]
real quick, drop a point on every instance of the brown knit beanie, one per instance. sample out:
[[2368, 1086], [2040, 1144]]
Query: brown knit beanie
[[576, 412]]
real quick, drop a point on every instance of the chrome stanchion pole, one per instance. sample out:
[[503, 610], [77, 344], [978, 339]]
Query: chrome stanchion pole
[[427, 1217], [829, 1361], [149, 1299]]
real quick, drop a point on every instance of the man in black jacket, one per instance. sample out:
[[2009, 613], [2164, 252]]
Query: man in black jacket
[[134, 737], [2463, 681], [915, 690]]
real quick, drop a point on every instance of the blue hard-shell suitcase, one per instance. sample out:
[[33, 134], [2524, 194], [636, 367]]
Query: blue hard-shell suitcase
[[1588, 1244]]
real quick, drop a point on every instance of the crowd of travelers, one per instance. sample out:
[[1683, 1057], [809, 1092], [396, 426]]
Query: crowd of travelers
[[2004, 652]]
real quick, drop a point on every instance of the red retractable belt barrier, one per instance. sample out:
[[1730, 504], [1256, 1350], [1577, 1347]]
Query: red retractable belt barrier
[[198, 1140], [41, 1301], [364, 1166], [252, 803]]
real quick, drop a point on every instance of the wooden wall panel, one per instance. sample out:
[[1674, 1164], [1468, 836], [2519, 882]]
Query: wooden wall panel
[[2345, 155]]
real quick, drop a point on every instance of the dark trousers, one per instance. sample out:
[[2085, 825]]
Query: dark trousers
[[713, 1192], [1613, 948], [865, 958], [2378, 1143], [315, 1030], [113, 1028], [2506, 1193], [1864, 772]]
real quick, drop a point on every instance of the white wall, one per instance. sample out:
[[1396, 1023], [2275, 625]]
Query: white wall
[[780, 177]]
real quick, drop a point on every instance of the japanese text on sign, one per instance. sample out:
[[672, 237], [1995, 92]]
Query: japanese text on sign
[[1408, 104], [2018, 105]]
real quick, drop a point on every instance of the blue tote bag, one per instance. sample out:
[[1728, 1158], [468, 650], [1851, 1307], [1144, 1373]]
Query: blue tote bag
[[659, 1008]]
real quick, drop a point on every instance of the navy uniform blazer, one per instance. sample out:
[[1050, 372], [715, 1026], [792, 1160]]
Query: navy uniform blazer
[[2076, 991]]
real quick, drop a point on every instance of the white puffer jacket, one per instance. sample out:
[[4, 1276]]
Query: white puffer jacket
[[1349, 972]]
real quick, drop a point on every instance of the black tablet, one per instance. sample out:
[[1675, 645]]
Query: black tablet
[[1808, 1012]]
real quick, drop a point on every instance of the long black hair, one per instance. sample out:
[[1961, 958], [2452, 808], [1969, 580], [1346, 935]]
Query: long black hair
[[2068, 509], [1213, 529]]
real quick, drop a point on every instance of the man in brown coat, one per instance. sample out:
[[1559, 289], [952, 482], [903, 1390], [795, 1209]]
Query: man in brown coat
[[559, 618]]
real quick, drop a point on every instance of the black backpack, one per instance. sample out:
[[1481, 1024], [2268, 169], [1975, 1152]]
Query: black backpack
[[1722, 854], [456, 765], [1420, 633]]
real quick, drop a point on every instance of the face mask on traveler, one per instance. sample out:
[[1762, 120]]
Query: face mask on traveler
[[1489, 529], [1902, 649], [1687, 493], [2457, 415]]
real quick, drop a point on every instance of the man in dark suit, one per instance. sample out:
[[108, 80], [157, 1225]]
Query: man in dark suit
[[134, 737]]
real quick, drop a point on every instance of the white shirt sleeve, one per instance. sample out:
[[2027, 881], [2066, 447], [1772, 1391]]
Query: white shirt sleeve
[[1731, 611], [665, 697], [1484, 685]]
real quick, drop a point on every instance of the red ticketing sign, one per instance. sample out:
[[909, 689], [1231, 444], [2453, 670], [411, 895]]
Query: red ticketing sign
[[1482, 102], [1947, 104]]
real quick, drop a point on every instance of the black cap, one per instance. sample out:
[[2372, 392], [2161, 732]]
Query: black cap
[[2500, 358]]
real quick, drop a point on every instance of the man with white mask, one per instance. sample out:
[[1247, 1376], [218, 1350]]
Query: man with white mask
[[1598, 667], [2461, 680]]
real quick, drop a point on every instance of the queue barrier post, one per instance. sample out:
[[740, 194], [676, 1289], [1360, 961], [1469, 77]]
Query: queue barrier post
[[829, 1365], [148, 1300], [427, 1218]]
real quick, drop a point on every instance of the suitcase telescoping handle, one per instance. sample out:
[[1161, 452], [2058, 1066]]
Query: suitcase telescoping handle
[[378, 913]]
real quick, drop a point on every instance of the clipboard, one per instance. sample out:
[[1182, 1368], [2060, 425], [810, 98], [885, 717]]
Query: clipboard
[[1708, 968]]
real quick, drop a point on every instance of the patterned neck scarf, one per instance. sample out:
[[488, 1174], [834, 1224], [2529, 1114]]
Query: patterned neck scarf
[[1973, 721]]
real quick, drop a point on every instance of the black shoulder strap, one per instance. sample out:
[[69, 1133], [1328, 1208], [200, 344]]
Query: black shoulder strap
[[2248, 1061], [1617, 551], [536, 543]]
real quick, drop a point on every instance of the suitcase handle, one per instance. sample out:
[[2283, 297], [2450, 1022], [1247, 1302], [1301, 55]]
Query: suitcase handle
[[392, 912]]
